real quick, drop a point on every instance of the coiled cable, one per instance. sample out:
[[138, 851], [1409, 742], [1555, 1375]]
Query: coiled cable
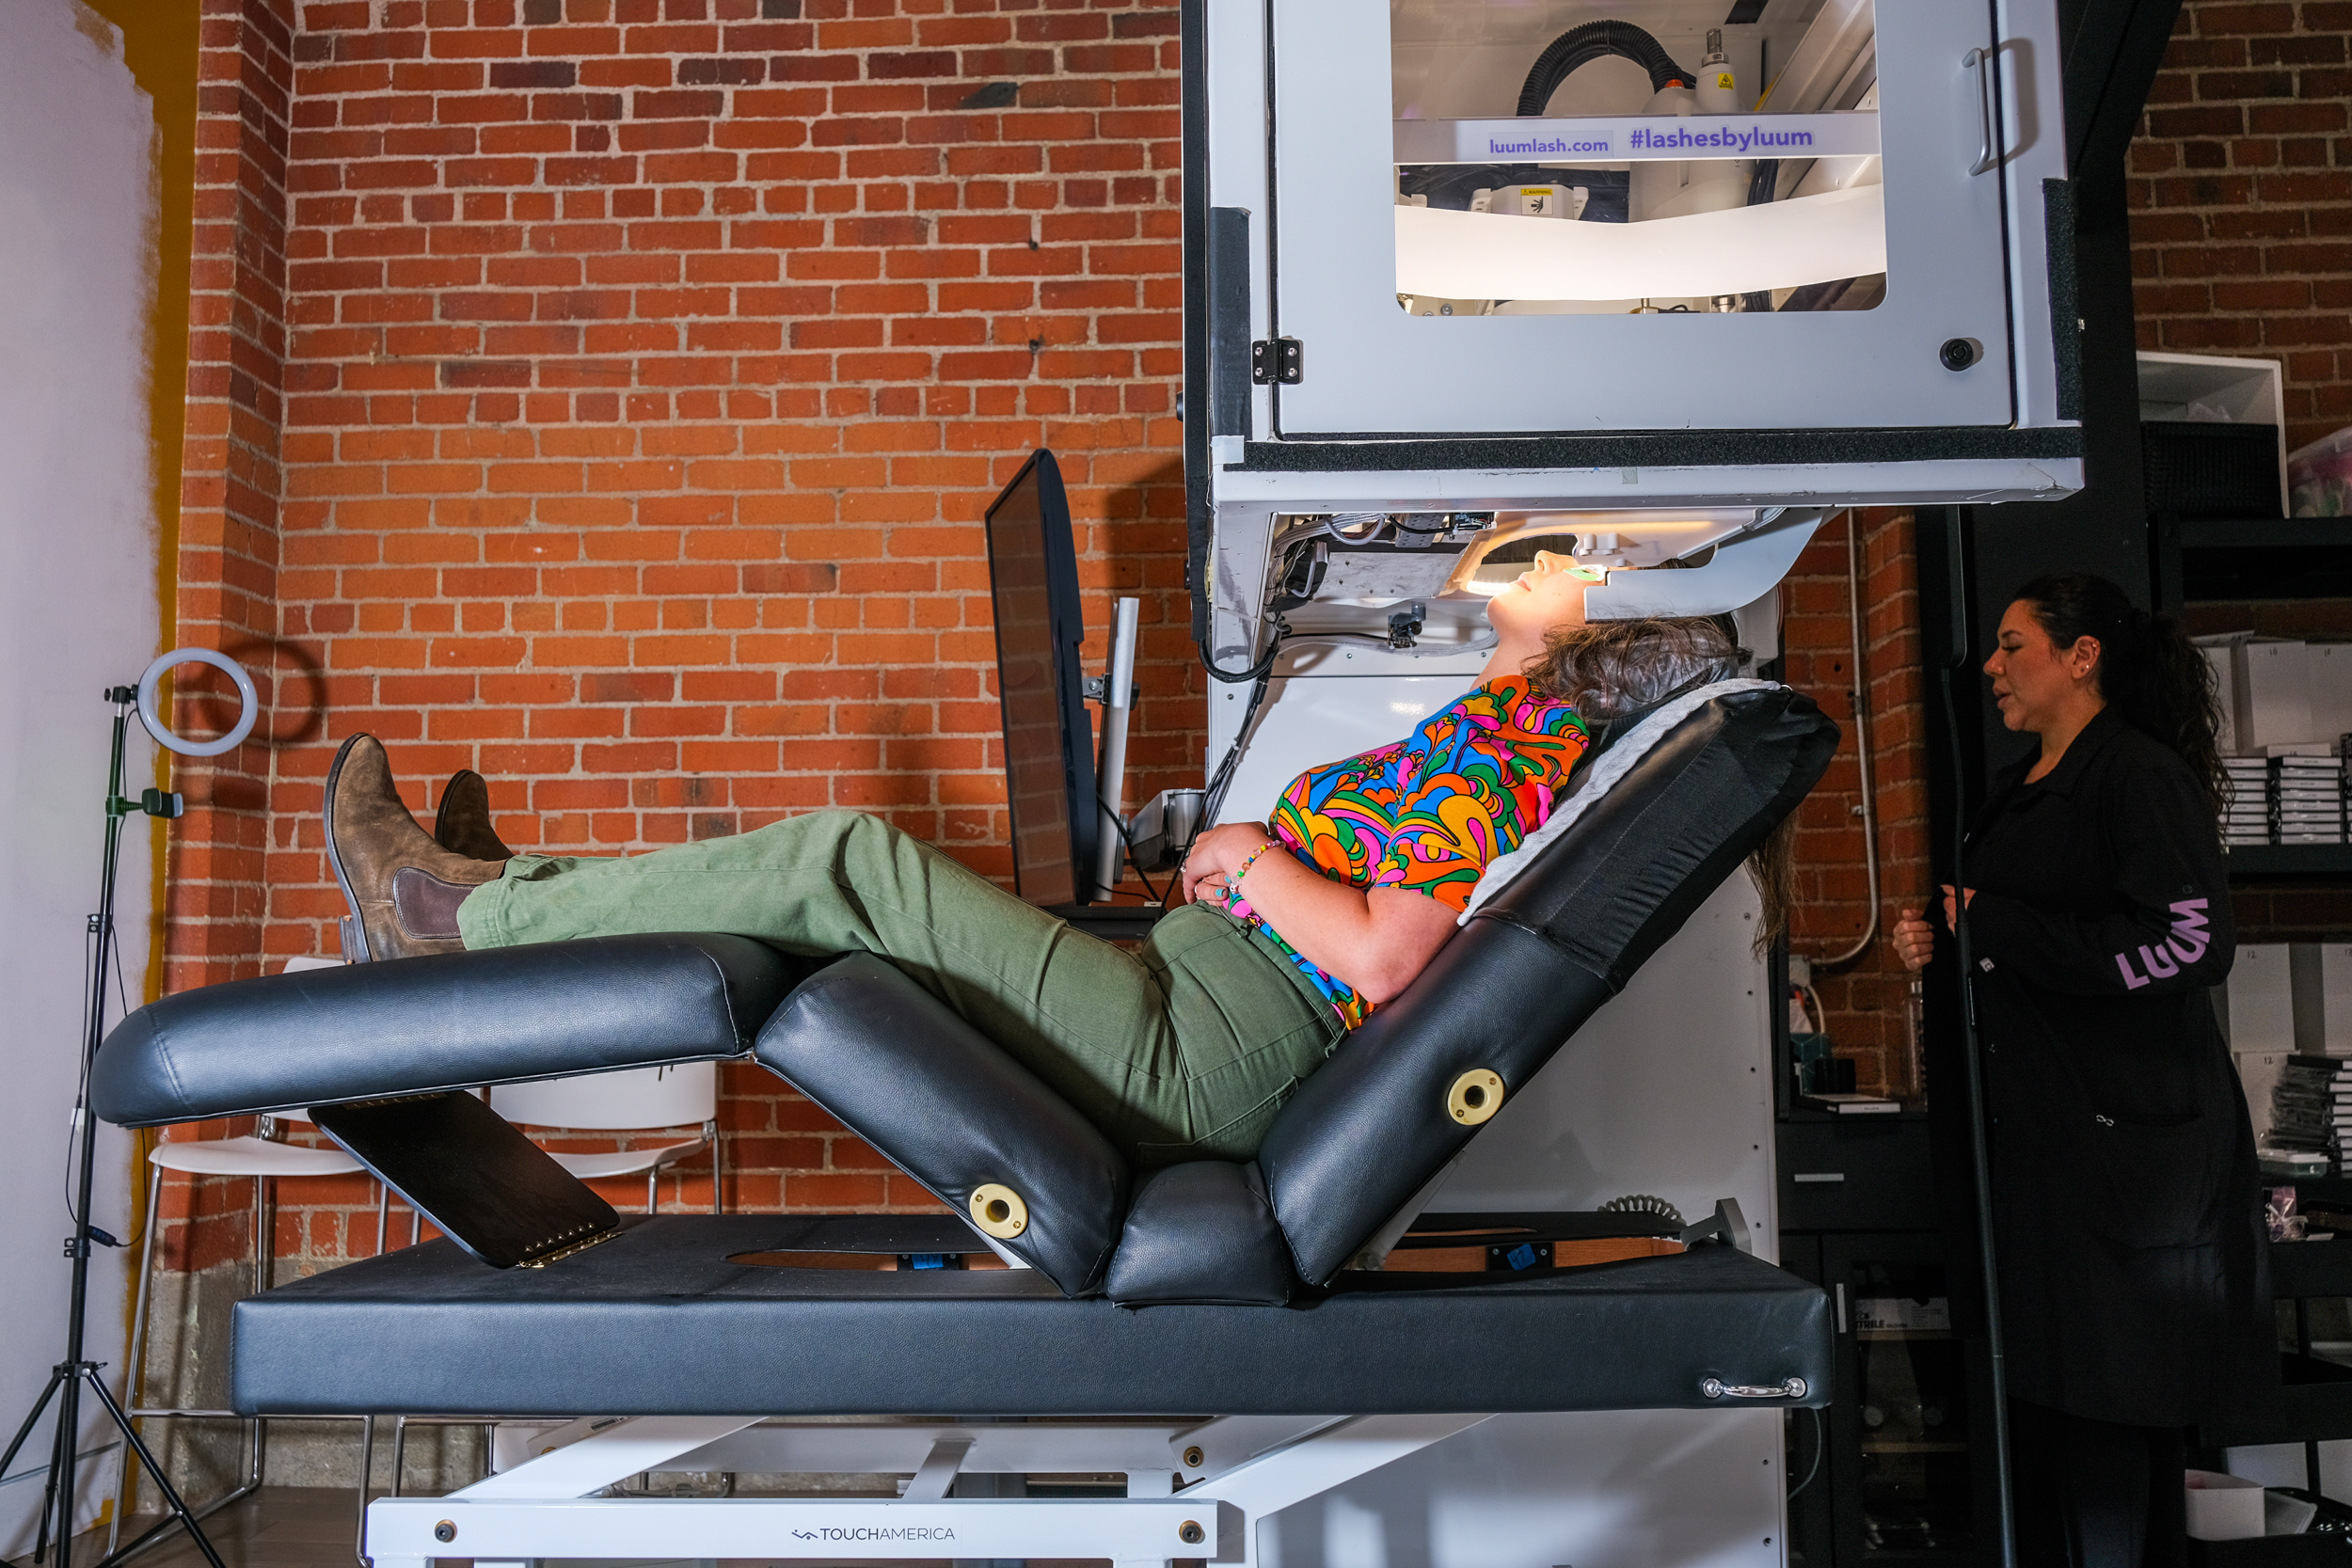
[[1581, 46]]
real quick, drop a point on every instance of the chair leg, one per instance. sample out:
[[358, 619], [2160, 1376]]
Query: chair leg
[[367, 1466], [383, 1218], [264, 1246], [717, 1167], [400, 1453], [653, 1175], [261, 1234], [135, 1375], [258, 1434]]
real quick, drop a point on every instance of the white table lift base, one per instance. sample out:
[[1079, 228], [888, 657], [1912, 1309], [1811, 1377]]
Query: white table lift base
[[1194, 1490]]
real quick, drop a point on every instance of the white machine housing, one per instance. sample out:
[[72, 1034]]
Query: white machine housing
[[1315, 386], [1356, 450]]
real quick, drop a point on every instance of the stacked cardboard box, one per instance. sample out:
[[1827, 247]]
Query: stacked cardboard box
[[2286, 708], [2247, 817], [2311, 1109], [2307, 799], [2287, 1011]]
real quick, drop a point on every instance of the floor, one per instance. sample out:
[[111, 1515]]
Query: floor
[[279, 1527]]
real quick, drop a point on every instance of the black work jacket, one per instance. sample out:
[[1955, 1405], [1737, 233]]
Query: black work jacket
[[2126, 1209]]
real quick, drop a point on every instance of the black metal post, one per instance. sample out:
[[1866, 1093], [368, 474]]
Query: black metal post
[[67, 1377], [1971, 1049]]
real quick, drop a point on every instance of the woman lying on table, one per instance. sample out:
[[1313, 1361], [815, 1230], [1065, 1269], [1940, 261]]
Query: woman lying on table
[[1290, 934]]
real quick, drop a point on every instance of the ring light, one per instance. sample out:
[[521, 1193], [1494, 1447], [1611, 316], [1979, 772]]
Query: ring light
[[161, 731]]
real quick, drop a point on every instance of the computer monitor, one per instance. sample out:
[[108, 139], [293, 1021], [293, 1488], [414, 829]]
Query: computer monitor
[[1049, 744]]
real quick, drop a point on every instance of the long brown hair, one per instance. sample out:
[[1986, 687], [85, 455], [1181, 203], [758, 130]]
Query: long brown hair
[[1608, 669]]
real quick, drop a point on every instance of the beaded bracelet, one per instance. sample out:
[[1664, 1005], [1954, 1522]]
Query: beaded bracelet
[[1247, 861]]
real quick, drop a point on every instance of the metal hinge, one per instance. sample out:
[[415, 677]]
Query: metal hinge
[[1272, 359], [1787, 1389]]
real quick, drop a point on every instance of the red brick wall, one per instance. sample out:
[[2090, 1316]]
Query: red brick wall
[[229, 498], [646, 365], [1861, 998], [2241, 192], [228, 547], [2242, 245]]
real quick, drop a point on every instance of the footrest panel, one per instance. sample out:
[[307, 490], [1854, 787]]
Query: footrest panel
[[449, 1021]]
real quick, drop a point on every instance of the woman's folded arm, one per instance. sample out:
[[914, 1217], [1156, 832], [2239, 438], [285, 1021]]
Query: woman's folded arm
[[1375, 939]]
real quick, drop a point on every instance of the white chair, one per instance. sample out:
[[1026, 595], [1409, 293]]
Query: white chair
[[265, 1159], [640, 1099], [635, 1101]]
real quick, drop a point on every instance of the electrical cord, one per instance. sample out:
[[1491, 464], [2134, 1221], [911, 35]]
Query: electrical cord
[[1133, 859], [1476, 646], [93, 996], [1862, 747], [1212, 800], [1371, 639], [1594, 40], [1821, 1441], [1255, 673]]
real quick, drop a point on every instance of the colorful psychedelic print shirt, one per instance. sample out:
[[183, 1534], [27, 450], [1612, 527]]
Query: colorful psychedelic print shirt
[[1430, 811]]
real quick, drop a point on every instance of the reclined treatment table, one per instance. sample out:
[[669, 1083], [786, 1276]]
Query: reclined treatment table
[[1224, 1334]]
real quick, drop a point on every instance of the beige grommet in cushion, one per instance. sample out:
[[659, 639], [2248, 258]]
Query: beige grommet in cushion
[[998, 1211], [1474, 1095]]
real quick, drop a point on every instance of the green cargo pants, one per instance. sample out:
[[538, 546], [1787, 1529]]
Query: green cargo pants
[[1183, 1050]]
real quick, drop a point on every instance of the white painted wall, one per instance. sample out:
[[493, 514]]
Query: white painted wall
[[78, 613]]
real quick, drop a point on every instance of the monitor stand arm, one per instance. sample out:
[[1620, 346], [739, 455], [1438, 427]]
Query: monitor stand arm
[[1117, 695]]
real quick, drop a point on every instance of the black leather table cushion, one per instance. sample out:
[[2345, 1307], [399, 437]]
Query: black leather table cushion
[[444, 1021], [658, 1321], [951, 1108]]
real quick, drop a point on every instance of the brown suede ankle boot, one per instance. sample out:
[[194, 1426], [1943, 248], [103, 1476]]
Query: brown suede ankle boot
[[403, 888], [463, 823]]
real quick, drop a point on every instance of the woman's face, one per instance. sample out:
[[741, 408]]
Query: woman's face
[[1550, 594], [2036, 683]]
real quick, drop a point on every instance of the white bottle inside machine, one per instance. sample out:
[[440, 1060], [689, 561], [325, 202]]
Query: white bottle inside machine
[[1672, 190]]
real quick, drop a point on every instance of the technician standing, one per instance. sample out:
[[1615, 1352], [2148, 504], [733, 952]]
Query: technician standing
[[2125, 1200]]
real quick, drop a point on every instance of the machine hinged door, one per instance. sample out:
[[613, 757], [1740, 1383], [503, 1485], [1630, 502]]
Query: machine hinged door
[[1372, 369]]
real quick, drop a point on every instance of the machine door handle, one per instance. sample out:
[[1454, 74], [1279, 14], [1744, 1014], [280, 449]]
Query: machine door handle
[[1787, 1388], [1989, 146]]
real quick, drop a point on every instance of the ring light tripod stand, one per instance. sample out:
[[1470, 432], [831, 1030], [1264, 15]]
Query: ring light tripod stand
[[69, 1377]]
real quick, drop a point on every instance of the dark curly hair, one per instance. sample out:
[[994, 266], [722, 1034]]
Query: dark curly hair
[[1608, 669], [2151, 674]]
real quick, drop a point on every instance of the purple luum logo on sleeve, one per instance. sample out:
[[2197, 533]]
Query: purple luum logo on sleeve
[[2186, 944]]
